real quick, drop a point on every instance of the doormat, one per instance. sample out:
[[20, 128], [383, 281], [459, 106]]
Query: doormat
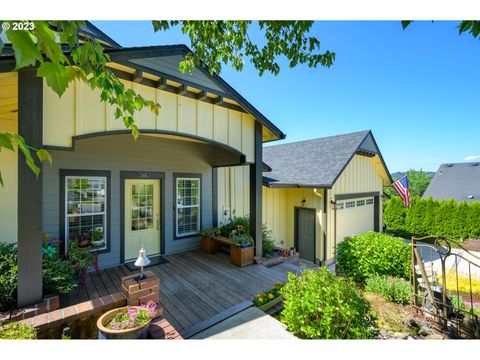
[[157, 260]]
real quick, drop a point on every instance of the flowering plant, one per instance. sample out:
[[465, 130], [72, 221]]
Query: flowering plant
[[267, 296], [49, 246], [133, 316]]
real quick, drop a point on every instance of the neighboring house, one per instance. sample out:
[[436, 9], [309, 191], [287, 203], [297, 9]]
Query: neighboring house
[[319, 191], [199, 158], [460, 181]]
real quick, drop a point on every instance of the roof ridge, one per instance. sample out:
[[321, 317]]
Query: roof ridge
[[320, 138]]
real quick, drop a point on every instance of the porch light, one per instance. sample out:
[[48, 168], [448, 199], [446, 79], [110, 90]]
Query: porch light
[[142, 261]]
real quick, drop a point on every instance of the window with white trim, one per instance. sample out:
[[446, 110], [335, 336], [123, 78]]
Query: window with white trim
[[369, 201], [86, 210], [360, 202], [339, 206], [187, 206]]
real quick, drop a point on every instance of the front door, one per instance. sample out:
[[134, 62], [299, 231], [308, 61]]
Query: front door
[[305, 233], [142, 217]]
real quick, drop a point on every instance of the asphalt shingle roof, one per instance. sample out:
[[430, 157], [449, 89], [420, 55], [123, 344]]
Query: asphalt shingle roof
[[456, 181], [311, 163]]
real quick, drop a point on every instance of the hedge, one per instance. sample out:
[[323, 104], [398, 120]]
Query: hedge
[[433, 217]]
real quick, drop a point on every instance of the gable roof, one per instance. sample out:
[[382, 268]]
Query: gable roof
[[163, 61], [459, 181], [316, 163]]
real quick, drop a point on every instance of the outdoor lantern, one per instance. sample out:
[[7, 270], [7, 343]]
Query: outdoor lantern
[[142, 261]]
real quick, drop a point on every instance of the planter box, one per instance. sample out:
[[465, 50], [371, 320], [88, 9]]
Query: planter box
[[241, 256], [210, 246], [271, 304], [139, 332]]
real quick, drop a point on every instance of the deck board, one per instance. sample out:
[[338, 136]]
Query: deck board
[[194, 286]]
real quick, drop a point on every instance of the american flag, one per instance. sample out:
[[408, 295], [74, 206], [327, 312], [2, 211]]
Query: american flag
[[401, 186]]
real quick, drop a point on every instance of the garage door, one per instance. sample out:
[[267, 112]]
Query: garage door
[[354, 216]]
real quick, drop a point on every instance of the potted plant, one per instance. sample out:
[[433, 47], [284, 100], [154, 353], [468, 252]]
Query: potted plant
[[130, 322], [97, 236], [208, 245], [81, 259], [83, 239], [241, 253]]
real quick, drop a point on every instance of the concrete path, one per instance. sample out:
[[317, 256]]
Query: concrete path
[[250, 324]]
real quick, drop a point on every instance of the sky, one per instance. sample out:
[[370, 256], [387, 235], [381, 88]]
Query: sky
[[416, 89]]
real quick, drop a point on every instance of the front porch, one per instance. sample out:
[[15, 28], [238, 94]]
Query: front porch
[[194, 286]]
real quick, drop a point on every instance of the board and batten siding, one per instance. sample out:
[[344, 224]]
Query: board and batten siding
[[79, 111], [122, 153], [362, 175], [278, 214], [233, 192]]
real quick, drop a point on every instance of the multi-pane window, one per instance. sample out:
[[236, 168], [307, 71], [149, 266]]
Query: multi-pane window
[[349, 204], [85, 211], [369, 201], [188, 206], [142, 207], [360, 202], [339, 206]]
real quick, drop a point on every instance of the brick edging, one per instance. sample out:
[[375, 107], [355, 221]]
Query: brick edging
[[51, 303], [68, 315]]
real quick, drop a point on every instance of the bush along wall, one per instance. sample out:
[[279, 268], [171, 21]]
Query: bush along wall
[[433, 217]]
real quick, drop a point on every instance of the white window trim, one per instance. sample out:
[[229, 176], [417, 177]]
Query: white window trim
[[104, 213], [177, 207]]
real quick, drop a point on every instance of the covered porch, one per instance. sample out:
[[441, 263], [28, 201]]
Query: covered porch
[[194, 286]]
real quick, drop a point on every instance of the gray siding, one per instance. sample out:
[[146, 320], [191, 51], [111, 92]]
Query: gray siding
[[121, 153]]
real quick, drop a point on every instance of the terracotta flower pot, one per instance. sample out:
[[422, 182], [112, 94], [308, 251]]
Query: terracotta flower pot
[[139, 332]]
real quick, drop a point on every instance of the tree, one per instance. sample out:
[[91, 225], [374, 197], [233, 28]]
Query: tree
[[418, 181], [213, 43]]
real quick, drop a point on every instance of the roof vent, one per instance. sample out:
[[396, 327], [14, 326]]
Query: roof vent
[[449, 165]]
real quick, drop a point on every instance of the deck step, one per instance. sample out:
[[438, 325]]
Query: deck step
[[204, 325]]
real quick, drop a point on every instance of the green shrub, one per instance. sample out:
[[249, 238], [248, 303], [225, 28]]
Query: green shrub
[[8, 276], [58, 276], [320, 305], [395, 290], [433, 217], [360, 257], [17, 331], [268, 245]]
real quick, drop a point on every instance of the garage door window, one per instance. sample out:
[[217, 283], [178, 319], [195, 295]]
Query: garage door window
[[350, 204], [369, 201], [360, 202], [339, 206]]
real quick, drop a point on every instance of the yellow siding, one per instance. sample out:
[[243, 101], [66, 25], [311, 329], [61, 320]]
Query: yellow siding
[[362, 175], [233, 192], [9, 192], [79, 111], [279, 214]]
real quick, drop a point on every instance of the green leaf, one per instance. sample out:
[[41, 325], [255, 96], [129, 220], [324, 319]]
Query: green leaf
[[26, 51], [6, 142], [56, 75], [406, 23], [1, 179], [43, 155], [26, 152]]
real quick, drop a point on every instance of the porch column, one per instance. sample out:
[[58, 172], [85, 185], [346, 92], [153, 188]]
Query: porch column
[[256, 192], [30, 119]]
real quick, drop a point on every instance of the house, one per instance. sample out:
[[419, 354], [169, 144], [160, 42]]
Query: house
[[459, 181], [317, 192], [197, 160]]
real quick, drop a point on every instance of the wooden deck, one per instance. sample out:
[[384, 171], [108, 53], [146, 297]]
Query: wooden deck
[[194, 286]]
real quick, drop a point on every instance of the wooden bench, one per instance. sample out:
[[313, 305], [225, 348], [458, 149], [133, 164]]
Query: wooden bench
[[238, 256]]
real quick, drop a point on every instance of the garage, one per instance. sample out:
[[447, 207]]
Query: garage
[[355, 216]]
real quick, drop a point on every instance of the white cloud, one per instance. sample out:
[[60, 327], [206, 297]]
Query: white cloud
[[472, 158]]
